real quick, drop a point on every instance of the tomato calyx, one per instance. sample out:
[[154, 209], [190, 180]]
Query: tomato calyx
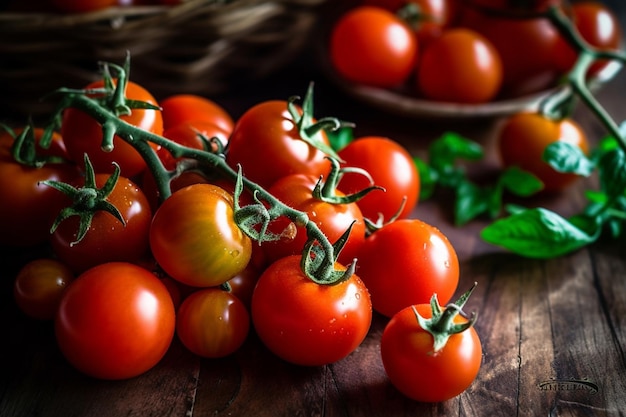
[[441, 325], [24, 147], [87, 200], [327, 190], [309, 129]]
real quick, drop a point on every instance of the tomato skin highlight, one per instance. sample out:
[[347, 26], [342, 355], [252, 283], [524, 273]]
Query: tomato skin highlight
[[404, 263], [370, 45], [115, 321], [312, 324], [195, 239], [417, 372]]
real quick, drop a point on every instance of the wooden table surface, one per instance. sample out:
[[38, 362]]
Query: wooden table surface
[[553, 331]]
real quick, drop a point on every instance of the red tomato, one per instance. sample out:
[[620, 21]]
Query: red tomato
[[115, 321], [524, 137], [242, 285], [412, 367], [83, 135], [404, 263], [391, 167], [39, 286], [181, 108], [82, 6], [212, 323], [460, 66], [195, 239], [333, 220], [188, 134], [312, 324], [267, 144], [372, 46], [107, 239], [598, 25], [526, 47]]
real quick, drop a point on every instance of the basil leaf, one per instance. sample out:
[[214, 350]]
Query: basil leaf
[[520, 182], [565, 157], [470, 202], [451, 146], [613, 173], [428, 178], [536, 233]]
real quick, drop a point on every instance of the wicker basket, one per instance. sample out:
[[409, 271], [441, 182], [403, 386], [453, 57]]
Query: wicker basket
[[199, 46]]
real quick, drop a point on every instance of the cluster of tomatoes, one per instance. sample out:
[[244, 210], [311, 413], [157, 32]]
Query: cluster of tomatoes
[[469, 52], [134, 264]]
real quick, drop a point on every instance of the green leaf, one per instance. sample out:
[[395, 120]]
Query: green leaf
[[520, 182], [428, 178], [565, 157], [451, 146], [537, 233], [471, 201], [612, 168]]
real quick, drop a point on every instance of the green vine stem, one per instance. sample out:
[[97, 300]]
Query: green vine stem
[[319, 267]]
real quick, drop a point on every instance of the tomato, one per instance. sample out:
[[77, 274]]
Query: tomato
[[82, 6], [266, 143], [306, 323], [242, 285], [524, 137], [433, 16], [189, 134], [83, 135], [195, 239], [391, 167], [212, 323], [405, 262], [333, 219], [419, 373], [185, 108], [526, 46], [115, 321], [598, 25], [460, 66], [39, 286], [107, 239], [372, 46]]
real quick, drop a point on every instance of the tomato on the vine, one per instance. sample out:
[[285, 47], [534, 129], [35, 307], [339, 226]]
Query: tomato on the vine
[[524, 137], [370, 45], [212, 323], [391, 167], [83, 135], [405, 262], [115, 321], [307, 323], [39, 286], [192, 109], [195, 239]]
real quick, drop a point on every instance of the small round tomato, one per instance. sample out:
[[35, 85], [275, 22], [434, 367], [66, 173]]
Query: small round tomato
[[306, 323], [416, 370], [268, 146], [212, 323], [83, 135], [115, 321], [598, 25], [460, 66], [192, 108], [107, 239], [524, 137], [195, 239], [405, 262], [391, 166], [39, 286], [372, 46], [190, 134], [333, 219]]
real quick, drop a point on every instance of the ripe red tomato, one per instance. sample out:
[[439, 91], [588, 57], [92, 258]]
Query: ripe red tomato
[[267, 144], [396, 280], [107, 239], [312, 324], [526, 47], [460, 66], [195, 239], [83, 135], [598, 25], [189, 134], [412, 367], [391, 167], [333, 220], [372, 46], [115, 321], [212, 323], [524, 137], [181, 108], [39, 286]]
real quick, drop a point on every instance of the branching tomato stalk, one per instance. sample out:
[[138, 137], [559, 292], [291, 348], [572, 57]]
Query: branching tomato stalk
[[319, 254]]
